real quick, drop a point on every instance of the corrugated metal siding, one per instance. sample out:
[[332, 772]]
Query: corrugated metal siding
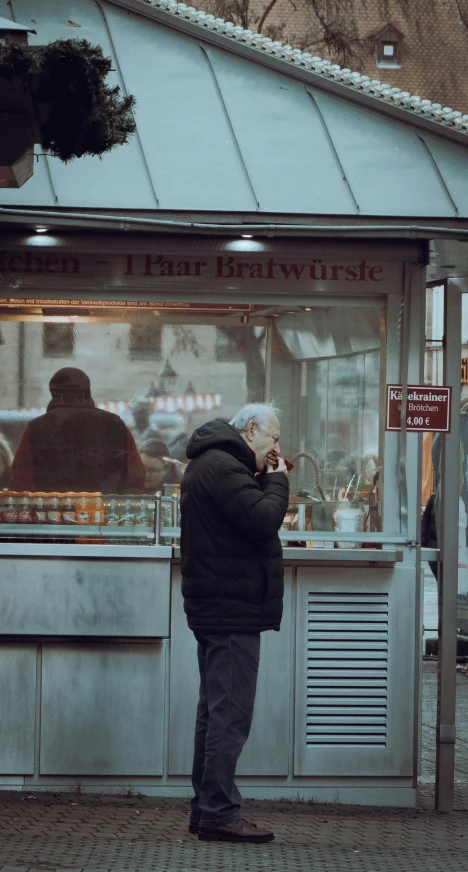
[[217, 132]]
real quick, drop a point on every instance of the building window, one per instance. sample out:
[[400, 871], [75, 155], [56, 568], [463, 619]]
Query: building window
[[145, 341], [389, 50], [388, 47], [58, 340]]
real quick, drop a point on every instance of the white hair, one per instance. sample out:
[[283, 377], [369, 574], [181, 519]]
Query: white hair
[[258, 412]]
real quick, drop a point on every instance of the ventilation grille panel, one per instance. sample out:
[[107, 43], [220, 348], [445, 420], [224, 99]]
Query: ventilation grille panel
[[347, 668]]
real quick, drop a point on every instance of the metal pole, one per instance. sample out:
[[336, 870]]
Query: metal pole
[[448, 568], [21, 351], [157, 518]]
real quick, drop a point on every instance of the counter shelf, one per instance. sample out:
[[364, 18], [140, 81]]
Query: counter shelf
[[74, 531]]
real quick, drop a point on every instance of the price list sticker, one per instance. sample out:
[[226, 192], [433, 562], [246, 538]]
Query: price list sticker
[[428, 409]]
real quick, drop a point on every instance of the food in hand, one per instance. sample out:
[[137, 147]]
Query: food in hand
[[272, 459]]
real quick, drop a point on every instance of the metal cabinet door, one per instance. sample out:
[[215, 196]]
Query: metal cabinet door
[[76, 596], [267, 749], [17, 708], [102, 709], [355, 678]]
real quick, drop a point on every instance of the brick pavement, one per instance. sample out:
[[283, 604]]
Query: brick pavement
[[66, 832]]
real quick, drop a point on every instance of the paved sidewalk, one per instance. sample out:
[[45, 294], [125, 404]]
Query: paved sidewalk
[[86, 833]]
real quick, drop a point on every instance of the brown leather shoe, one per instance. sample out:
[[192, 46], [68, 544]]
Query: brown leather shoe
[[235, 831]]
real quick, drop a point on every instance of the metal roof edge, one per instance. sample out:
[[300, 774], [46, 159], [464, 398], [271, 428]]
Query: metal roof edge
[[376, 228], [311, 70], [5, 24]]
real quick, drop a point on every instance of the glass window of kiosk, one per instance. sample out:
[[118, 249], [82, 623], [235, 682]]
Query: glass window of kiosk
[[322, 365]]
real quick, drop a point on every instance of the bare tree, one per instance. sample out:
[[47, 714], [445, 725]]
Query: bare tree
[[332, 25]]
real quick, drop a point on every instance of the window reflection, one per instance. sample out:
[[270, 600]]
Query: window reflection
[[321, 365]]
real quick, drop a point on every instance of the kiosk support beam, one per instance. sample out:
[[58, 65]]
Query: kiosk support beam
[[448, 567]]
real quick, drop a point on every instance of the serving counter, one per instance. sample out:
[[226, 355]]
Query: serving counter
[[100, 684]]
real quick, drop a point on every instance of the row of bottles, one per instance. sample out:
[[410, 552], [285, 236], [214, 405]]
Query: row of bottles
[[75, 508]]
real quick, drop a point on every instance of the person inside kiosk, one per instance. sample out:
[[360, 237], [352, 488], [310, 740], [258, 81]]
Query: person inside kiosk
[[76, 446]]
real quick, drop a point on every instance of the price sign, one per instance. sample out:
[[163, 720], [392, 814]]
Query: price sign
[[427, 408]]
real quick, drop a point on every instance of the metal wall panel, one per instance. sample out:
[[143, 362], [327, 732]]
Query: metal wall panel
[[84, 597], [17, 708], [355, 690], [268, 747], [102, 709]]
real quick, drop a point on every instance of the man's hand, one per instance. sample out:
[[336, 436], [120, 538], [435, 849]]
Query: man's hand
[[278, 465]]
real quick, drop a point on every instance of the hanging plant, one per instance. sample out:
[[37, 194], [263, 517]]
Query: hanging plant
[[13, 62], [79, 114]]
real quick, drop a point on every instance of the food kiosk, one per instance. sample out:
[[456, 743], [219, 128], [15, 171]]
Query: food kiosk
[[252, 295]]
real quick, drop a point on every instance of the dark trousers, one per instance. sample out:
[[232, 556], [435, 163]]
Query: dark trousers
[[228, 665]]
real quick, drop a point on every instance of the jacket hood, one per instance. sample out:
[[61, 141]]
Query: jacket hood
[[224, 437]]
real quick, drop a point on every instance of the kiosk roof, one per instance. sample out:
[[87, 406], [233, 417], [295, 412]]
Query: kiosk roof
[[227, 127]]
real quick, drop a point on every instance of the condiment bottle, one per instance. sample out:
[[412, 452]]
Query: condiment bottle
[[97, 511], [24, 509], [111, 510], [142, 513], [68, 509], [10, 510], [54, 515], [82, 505], [127, 516], [40, 511]]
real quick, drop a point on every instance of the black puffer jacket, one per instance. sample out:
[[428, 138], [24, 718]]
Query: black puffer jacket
[[232, 561]]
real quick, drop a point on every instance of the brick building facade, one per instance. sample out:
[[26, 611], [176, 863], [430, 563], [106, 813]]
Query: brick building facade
[[420, 46]]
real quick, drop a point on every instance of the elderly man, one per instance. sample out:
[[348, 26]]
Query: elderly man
[[232, 569]]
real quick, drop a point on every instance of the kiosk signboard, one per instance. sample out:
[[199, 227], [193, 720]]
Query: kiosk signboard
[[427, 408]]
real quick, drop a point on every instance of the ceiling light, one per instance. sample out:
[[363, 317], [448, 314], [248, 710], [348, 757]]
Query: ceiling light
[[41, 229], [246, 236]]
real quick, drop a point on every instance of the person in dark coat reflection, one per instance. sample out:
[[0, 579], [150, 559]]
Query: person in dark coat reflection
[[76, 446], [234, 498]]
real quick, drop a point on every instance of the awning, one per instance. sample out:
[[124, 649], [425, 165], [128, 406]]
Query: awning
[[179, 403]]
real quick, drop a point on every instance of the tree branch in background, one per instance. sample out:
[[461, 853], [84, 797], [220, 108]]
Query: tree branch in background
[[463, 14], [265, 14], [249, 345]]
